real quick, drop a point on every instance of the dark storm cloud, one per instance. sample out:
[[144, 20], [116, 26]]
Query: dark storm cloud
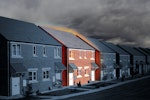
[[118, 21]]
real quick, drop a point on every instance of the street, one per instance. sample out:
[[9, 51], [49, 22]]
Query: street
[[139, 90]]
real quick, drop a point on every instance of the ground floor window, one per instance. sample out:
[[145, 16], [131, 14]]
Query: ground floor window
[[86, 71], [79, 72], [32, 74], [46, 74]]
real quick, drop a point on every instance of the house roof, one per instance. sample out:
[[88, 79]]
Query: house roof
[[103, 48], [68, 39], [20, 31], [146, 50], [131, 50], [142, 51], [17, 68], [116, 48], [60, 66]]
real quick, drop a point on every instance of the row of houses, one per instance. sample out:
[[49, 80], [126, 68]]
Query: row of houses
[[47, 58]]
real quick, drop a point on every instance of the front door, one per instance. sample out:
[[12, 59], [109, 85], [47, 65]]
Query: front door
[[15, 85], [71, 79]]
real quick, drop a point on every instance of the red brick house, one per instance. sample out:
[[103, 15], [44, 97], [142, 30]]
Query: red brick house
[[77, 56]]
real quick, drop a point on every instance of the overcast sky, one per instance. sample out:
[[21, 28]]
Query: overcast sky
[[117, 21]]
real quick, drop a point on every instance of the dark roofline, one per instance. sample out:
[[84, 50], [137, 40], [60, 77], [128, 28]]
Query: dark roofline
[[142, 51], [145, 50], [17, 20], [125, 50], [3, 37], [117, 51], [109, 47]]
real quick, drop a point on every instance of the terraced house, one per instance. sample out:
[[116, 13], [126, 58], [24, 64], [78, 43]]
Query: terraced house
[[147, 63], [78, 57], [122, 60], [137, 60], [108, 58], [28, 55]]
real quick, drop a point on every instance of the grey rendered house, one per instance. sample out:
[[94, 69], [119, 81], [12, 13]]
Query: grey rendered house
[[137, 60], [147, 63], [28, 55], [107, 59], [123, 59]]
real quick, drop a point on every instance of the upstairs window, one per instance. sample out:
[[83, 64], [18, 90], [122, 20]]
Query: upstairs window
[[92, 55], [85, 55], [34, 51], [71, 55], [57, 52], [80, 54], [16, 50], [44, 51]]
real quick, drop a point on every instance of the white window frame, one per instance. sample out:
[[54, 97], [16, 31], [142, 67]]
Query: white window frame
[[85, 55], [79, 72], [85, 71], [33, 70], [80, 54], [44, 51], [57, 52], [92, 55], [16, 52], [34, 51], [71, 55], [44, 76]]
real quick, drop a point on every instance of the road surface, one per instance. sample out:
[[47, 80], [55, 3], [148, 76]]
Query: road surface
[[138, 90]]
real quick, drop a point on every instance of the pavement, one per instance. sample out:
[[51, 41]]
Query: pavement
[[87, 91], [118, 83]]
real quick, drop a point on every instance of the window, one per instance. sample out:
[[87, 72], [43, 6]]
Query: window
[[85, 55], [86, 71], [44, 51], [46, 74], [34, 51], [71, 55], [16, 50], [32, 73], [79, 72], [57, 52], [92, 55], [80, 54]]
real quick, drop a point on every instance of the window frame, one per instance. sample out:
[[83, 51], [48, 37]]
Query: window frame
[[34, 51], [57, 52], [80, 54], [79, 72], [44, 51], [92, 55], [86, 71], [71, 55], [46, 74], [34, 73], [15, 51]]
